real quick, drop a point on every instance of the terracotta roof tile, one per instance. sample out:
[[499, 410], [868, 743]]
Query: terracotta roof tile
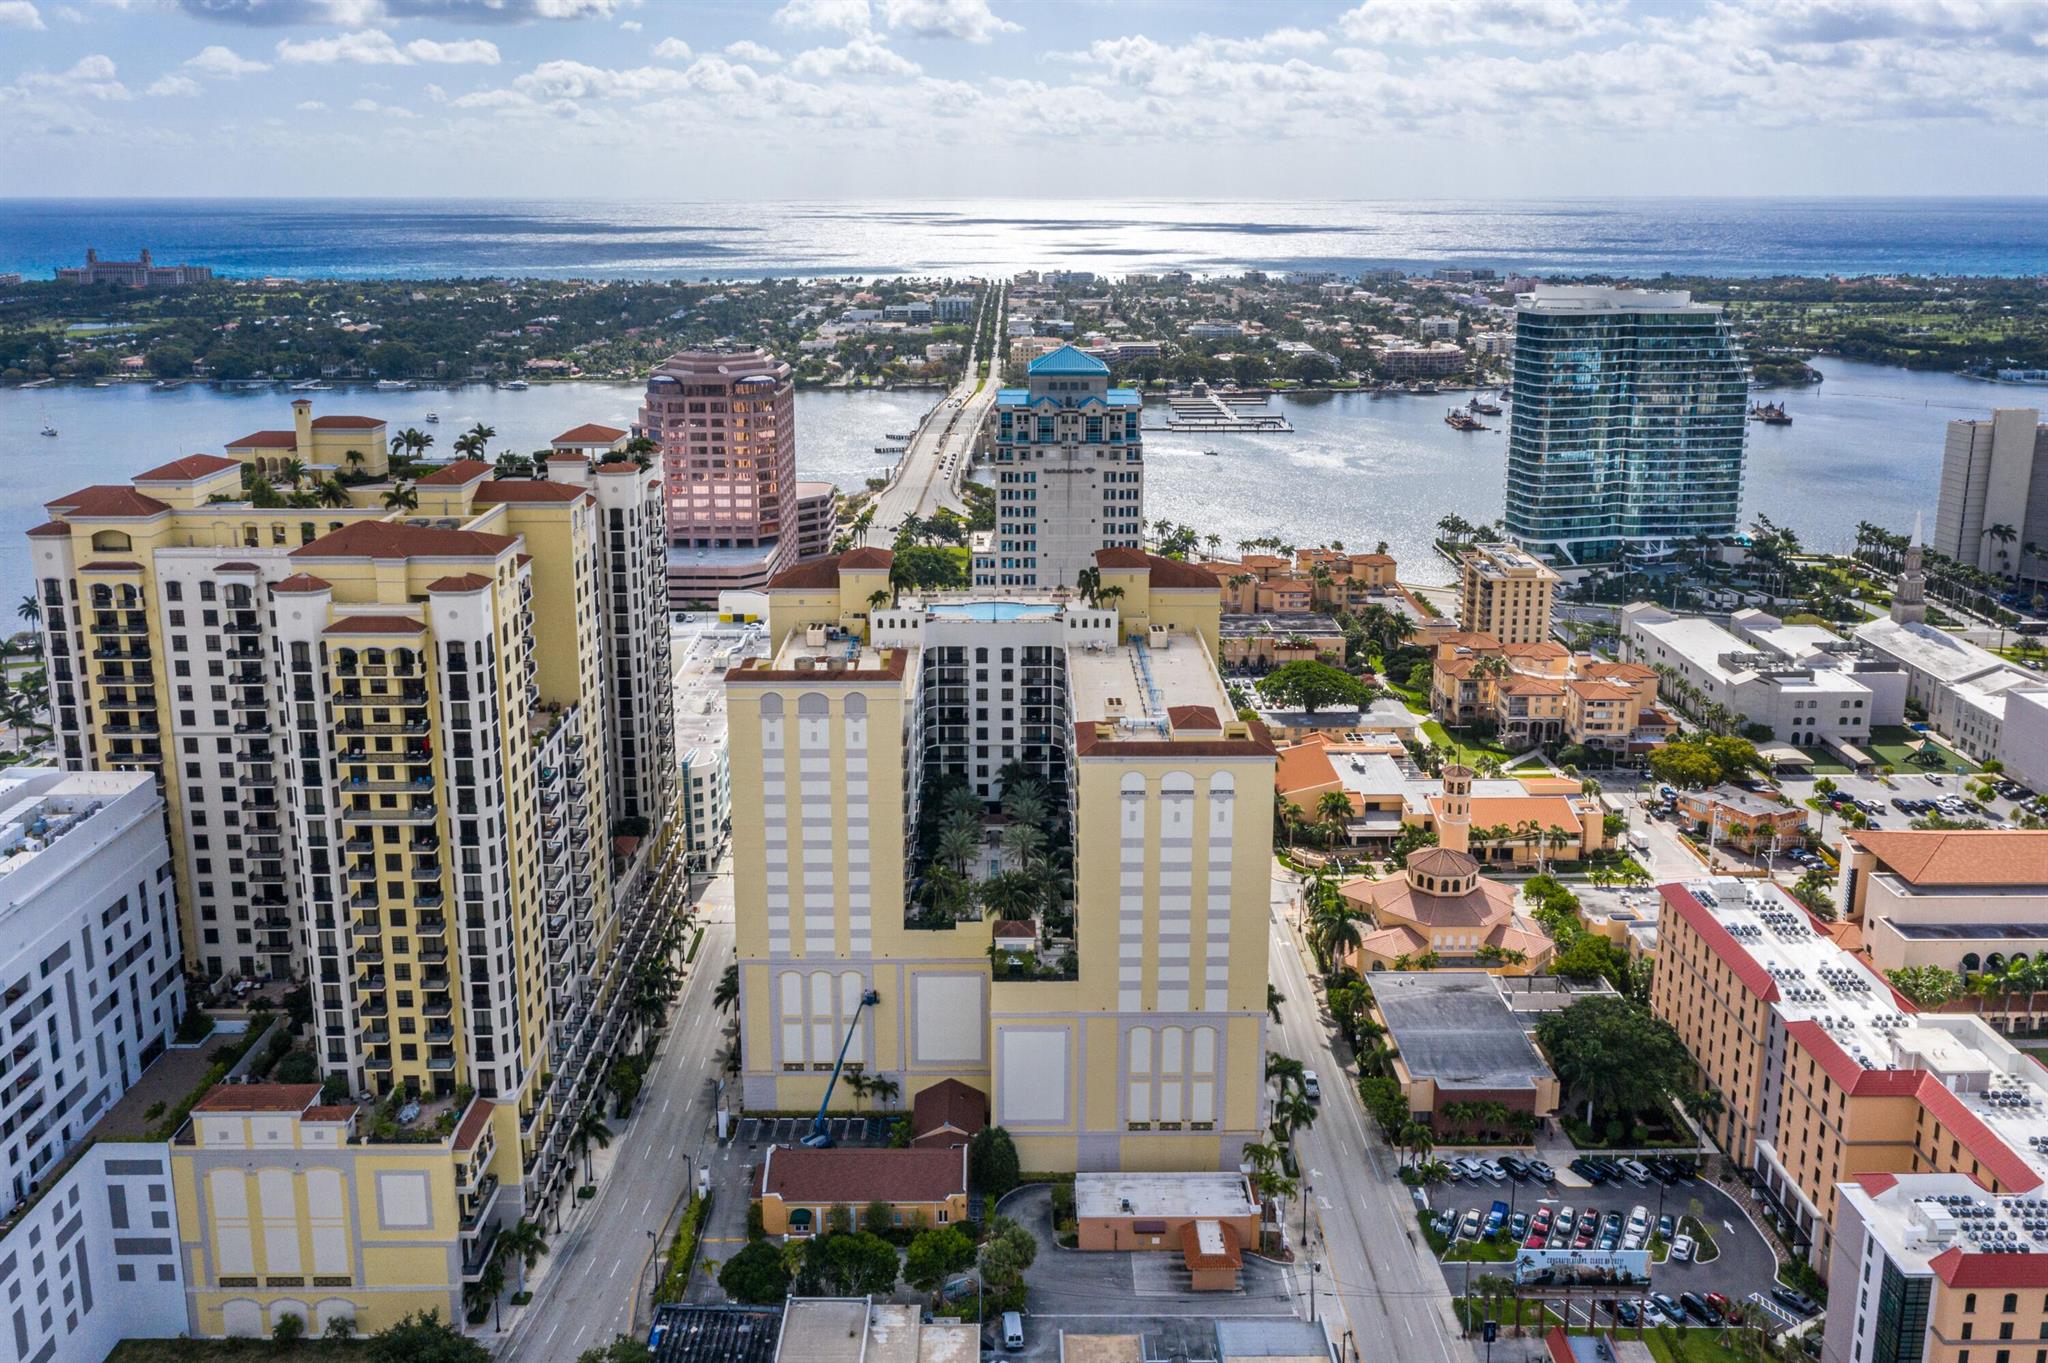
[[589, 433], [567, 457], [375, 624], [301, 582], [238, 566], [854, 1176], [456, 474], [1166, 572], [473, 1123], [403, 539], [51, 529], [1089, 743], [824, 572], [266, 440], [1991, 856], [1753, 976], [1957, 1269], [618, 466], [1223, 1250], [339, 1112], [946, 1111], [258, 1098], [1305, 768], [348, 423], [112, 566], [499, 490], [107, 501], [460, 582], [1197, 717], [190, 467]]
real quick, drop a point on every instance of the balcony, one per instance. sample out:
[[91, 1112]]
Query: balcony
[[441, 1061], [414, 814], [424, 870], [432, 955], [426, 840], [431, 925], [371, 954], [428, 897], [361, 873], [377, 1060], [438, 1005]]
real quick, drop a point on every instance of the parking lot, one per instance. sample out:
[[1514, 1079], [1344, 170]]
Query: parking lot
[[1733, 1264]]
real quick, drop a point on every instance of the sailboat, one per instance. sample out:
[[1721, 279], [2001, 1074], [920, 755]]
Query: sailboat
[[48, 429]]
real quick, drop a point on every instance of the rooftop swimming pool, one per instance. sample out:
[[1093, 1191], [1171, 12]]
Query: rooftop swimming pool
[[993, 610]]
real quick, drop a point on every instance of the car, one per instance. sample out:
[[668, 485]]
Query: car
[[1639, 1219], [1469, 1167], [1468, 1229], [1610, 1171], [1583, 1167], [1561, 1229], [1013, 1330], [1540, 1223], [1312, 1086], [1628, 1313], [1517, 1169], [1496, 1217], [1682, 1249], [1635, 1170], [1609, 1241], [1902, 804], [1541, 1172], [1518, 1227], [1718, 1302], [1493, 1170], [1792, 1299], [1697, 1307], [1665, 1226], [1536, 1240], [1444, 1222], [1667, 1306]]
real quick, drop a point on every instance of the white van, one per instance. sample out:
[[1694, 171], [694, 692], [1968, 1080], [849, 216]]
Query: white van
[[1013, 1330]]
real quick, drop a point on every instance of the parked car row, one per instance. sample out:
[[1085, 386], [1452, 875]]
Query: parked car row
[[1661, 1308], [1598, 1169], [1470, 1169]]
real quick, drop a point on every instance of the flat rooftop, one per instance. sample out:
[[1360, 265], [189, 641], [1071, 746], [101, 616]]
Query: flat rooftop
[[1162, 1195], [1148, 681], [1936, 652], [824, 1330], [717, 1334], [701, 650], [1453, 1027], [1570, 298], [52, 819]]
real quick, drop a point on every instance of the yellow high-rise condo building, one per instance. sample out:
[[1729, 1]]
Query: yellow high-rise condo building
[[1014, 838], [389, 732], [1505, 592]]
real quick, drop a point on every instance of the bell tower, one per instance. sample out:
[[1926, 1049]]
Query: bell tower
[[1454, 825]]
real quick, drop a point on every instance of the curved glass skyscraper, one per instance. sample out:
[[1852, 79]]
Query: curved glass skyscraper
[[1629, 412]]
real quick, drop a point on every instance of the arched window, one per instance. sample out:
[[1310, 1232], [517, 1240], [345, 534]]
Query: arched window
[[1971, 965], [800, 1221], [111, 539]]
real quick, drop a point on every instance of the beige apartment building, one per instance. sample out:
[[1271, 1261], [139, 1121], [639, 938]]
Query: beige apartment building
[[1127, 1031], [1505, 592], [1542, 692], [392, 743]]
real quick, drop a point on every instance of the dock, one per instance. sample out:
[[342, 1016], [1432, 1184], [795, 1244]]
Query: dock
[[1202, 408]]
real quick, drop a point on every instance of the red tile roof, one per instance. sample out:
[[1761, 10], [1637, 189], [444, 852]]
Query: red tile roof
[[824, 572], [589, 433], [619, 466], [111, 567], [375, 624], [403, 539], [1753, 976], [852, 1175], [106, 501], [301, 582], [266, 440], [1166, 572], [526, 490], [339, 1112], [456, 474], [1196, 717], [186, 469], [947, 1111], [1998, 1159], [1230, 1255], [1957, 1269], [1877, 1185], [258, 1098], [473, 1123], [51, 529], [347, 423], [567, 457], [460, 582], [1991, 856], [1089, 743]]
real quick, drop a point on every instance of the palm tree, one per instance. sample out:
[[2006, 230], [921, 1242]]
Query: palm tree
[[354, 458], [401, 496], [2002, 535], [884, 1089], [1292, 1112], [1284, 1070], [878, 600], [30, 609], [959, 843], [1012, 894], [726, 995], [1333, 811], [1556, 840], [589, 1130], [857, 1082], [642, 449], [1022, 842], [330, 493], [291, 471], [525, 1242], [489, 1287], [1088, 582]]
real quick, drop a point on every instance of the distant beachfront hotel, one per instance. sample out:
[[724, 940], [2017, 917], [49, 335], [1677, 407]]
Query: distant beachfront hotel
[[1629, 418], [134, 274]]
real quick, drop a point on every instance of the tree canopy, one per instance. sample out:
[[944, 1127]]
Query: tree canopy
[[423, 1338], [756, 1275], [936, 1254], [1614, 1055], [992, 1162], [1697, 760], [1311, 685]]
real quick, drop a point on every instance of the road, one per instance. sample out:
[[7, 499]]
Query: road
[[928, 474], [596, 1269], [1379, 1283]]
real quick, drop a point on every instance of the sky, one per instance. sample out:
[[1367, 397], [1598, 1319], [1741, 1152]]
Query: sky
[[1084, 99]]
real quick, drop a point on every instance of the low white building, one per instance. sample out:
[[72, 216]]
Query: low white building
[[90, 973], [705, 648], [1962, 687], [2023, 741], [1805, 702]]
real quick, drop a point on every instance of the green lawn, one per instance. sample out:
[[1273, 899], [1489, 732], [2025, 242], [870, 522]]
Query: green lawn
[[1468, 750], [1694, 1346], [1894, 744]]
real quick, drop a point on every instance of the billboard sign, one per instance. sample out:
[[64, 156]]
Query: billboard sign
[[1581, 1267]]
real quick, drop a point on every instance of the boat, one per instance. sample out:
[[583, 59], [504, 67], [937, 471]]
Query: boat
[[516, 385], [433, 417], [1212, 453], [393, 385], [1426, 386], [311, 386], [1481, 407], [1458, 419], [1770, 413], [48, 429]]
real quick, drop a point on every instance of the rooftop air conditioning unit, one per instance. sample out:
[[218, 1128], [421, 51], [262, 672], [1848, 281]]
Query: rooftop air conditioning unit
[[814, 636]]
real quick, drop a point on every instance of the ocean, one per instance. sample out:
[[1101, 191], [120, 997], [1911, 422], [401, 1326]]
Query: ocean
[[1864, 445], [413, 238]]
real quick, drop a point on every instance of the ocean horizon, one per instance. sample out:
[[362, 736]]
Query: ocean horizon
[[373, 238]]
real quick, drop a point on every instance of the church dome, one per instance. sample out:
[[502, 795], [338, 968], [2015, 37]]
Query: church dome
[[1443, 871]]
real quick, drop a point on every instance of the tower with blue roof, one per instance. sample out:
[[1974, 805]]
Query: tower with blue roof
[[1069, 473]]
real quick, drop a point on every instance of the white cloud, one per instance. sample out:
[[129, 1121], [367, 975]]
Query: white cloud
[[20, 14], [839, 16], [748, 51], [310, 106], [1519, 23], [462, 52], [70, 14], [374, 47], [672, 50], [174, 85], [969, 20], [629, 26], [371, 106], [860, 57], [224, 62], [579, 80]]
